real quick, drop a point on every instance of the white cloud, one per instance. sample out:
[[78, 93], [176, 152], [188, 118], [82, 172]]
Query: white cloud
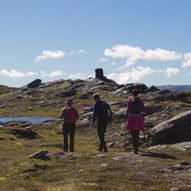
[[113, 63], [79, 76], [31, 73], [161, 55], [133, 54], [56, 73], [187, 60], [48, 54], [15, 74], [77, 52], [43, 73], [170, 71], [133, 75], [103, 60]]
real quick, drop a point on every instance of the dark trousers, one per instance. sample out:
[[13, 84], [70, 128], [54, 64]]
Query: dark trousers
[[135, 140], [101, 129], [69, 129]]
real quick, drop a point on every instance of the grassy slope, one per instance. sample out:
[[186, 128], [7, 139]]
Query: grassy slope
[[83, 170]]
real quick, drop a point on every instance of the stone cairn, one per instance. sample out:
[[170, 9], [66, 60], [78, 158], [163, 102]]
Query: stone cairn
[[99, 74]]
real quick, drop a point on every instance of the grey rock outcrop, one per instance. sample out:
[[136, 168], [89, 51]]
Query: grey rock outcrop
[[174, 130]]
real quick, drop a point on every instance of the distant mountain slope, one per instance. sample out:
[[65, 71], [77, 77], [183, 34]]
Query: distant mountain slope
[[175, 88]]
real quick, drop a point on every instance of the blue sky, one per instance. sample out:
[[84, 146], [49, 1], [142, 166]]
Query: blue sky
[[146, 41]]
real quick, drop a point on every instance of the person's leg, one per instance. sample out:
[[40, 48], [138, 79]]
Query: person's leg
[[101, 134], [65, 135], [72, 135], [135, 140]]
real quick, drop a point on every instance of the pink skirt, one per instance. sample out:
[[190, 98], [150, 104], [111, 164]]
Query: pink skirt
[[135, 123]]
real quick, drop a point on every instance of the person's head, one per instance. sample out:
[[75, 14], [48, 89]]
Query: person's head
[[69, 102], [96, 97], [135, 92]]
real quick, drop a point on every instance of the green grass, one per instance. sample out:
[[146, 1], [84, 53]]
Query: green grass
[[82, 170]]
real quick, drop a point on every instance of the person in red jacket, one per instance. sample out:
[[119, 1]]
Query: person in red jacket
[[135, 116], [70, 115]]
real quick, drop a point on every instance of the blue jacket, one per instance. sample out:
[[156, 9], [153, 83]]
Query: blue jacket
[[100, 114]]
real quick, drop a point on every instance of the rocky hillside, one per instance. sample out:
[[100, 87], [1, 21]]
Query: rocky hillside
[[163, 163]]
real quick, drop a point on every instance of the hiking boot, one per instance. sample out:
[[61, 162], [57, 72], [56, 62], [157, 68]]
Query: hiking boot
[[100, 149], [105, 150]]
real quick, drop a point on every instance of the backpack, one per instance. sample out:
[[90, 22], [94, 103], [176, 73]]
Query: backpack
[[70, 115], [106, 113], [135, 106]]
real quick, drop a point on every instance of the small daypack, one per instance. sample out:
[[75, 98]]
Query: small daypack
[[136, 106], [106, 112]]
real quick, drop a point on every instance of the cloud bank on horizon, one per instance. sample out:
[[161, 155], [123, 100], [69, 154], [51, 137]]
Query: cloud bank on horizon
[[128, 72]]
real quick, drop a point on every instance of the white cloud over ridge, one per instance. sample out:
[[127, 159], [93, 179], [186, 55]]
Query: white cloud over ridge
[[133, 54], [132, 75], [15, 74], [187, 60], [56, 73], [169, 72], [82, 76], [49, 54]]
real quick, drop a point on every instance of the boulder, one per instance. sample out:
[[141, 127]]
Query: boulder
[[142, 88], [83, 123], [174, 130], [68, 93], [34, 84], [41, 155], [24, 133], [120, 114], [152, 89]]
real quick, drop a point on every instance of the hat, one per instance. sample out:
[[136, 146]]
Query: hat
[[69, 102], [135, 92], [96, 96]]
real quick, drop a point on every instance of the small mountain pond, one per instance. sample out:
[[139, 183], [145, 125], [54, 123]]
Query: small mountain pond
[[27, 119]]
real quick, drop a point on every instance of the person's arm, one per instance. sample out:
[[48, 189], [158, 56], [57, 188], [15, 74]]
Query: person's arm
[[128, 108], [142, 107], [77, 115], [126, 115], [110, 114], [94, 113], [62, 114]]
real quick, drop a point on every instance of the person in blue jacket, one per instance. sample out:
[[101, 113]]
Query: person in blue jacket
[[103, 116]]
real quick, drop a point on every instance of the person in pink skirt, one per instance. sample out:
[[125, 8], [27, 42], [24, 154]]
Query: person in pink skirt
[[135, 116]]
